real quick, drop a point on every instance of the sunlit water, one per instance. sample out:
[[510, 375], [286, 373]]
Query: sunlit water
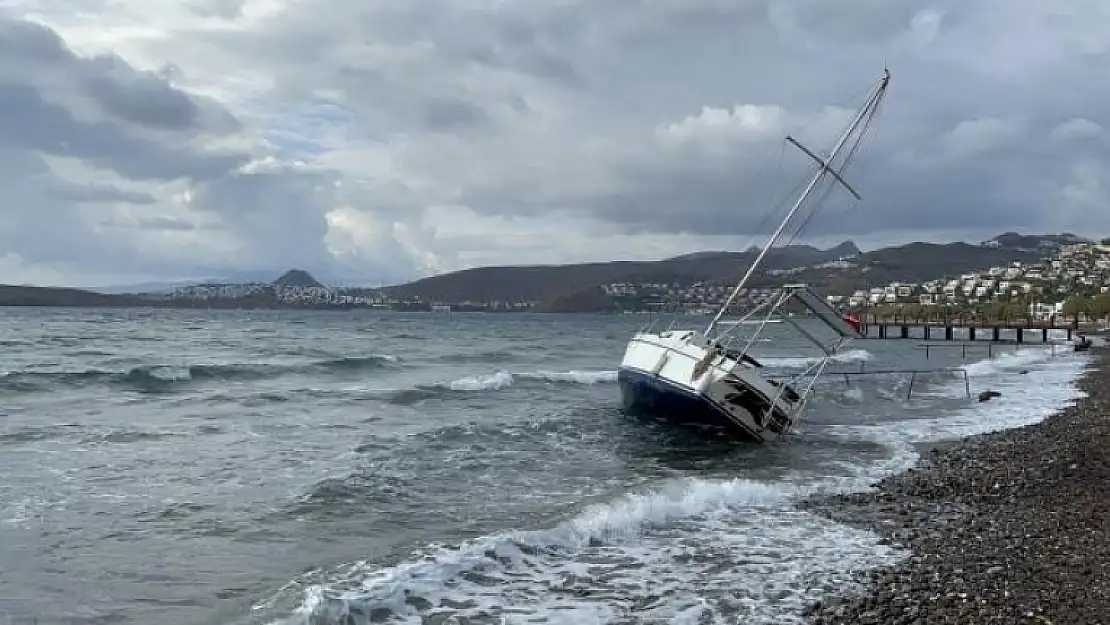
[[279, 467]]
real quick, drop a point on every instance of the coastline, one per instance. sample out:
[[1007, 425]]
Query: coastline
[[1005, 527]]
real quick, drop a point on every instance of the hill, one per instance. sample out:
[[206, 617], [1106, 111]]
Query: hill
[[543, 282], [918, 262], [11, 295], [576, 287], [293, 277], [296, 278], [1033, 242], [795, 254]]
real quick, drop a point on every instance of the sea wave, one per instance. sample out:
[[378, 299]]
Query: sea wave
[[786, 362], [690, 550], [156, 378], [498, 380], [733, 531]]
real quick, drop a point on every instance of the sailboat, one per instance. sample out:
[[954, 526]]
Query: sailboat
[[703, 378]]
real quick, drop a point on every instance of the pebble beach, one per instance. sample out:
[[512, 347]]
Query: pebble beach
[[1007, 527]]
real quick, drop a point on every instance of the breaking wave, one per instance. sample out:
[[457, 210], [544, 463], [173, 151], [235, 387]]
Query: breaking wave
[[848, 356], [611, 561], [1009, 362], [497, 381], [161, 378]]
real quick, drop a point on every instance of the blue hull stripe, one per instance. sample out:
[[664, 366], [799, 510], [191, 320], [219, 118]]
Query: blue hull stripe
[[644, 393]]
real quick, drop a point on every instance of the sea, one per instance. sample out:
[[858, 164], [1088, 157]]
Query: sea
[[343, 468]]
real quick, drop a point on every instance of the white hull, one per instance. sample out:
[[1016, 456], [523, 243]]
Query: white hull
[[664, 366]]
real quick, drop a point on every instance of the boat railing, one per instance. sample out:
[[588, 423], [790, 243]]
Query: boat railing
[[991, 347], [913, 373], [812, 372]]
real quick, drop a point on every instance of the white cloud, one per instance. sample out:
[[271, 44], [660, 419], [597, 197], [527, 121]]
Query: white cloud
[[1076, 128], [389, 139], [977, 136]]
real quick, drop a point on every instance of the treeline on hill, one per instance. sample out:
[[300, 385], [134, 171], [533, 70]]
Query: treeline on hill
[[1094, 307], [1076, 308]]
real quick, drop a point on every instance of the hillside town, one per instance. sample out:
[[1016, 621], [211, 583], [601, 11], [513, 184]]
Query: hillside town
[[297, 289], [298, 296], [1074, 273], [1074, 279], [1070, 279], [292, 295]]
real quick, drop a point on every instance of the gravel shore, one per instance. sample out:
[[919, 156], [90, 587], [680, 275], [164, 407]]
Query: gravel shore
[[1009, 527]]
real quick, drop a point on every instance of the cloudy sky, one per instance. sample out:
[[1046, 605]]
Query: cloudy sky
[[379, 140]]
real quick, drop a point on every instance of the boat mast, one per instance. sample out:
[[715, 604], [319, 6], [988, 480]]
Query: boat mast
[[825, 166]]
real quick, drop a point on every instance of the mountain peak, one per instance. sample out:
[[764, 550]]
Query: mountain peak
[[845, 248], [296, 278]]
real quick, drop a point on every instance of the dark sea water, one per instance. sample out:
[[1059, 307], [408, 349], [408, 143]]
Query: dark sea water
[[193, 467]]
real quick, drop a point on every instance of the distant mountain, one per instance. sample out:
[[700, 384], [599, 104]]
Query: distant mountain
[[544, 282], [296, 278], [799, 254], [159, 288], [1034, 242], [576, 287], [11, 295], [293, 277], [919, 262]]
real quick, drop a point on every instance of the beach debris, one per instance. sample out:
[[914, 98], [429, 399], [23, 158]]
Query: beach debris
[[987, 395]]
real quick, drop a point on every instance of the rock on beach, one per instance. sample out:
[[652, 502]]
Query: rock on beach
[[1010, 527]]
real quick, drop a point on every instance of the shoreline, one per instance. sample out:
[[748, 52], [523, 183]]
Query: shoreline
[[1007, 527]]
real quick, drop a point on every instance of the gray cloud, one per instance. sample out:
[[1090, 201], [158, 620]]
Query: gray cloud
[[446, 114], [270, 212], [610, 123], [94, 145], [69, 192], [33, 123], [225, 9], [962, 139]]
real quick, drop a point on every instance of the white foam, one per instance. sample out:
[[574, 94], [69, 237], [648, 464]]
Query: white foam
[[573, 376], [489, 382], [1049, 386], [1006, 362], [502, 379], [851, 355], [693, 546]]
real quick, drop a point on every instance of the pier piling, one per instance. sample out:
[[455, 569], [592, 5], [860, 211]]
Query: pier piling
[[972, 332]]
